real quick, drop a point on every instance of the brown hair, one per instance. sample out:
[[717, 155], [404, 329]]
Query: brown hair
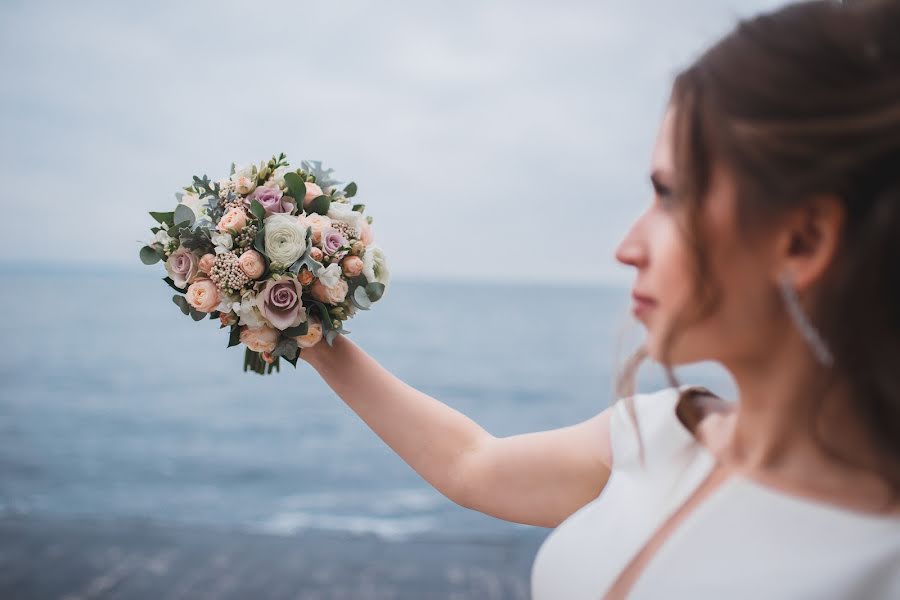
[[800, 101]]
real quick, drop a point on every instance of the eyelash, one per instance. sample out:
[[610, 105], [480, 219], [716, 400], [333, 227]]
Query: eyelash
[[664, 193]]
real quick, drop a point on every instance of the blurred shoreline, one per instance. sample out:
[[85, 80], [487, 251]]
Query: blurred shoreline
[[55, 557]]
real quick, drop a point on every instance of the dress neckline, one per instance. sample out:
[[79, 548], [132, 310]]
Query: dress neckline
[[737, 477]]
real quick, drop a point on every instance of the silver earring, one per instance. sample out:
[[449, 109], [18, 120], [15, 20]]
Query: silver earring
[[807, 329]]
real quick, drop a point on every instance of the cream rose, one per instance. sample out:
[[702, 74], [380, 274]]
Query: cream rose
[[252, 263], [244, 179], [313, 335], [235, 219], [260, 339], [318, 223], [334, 294], [285, 238], [203, 295], [375, 266]]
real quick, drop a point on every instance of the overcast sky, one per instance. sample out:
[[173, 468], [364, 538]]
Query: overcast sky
[[489, 140]]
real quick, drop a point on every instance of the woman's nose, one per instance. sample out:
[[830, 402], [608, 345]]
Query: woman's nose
[[631, 250]]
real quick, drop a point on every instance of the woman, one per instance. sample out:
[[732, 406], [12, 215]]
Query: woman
[[772, 246]]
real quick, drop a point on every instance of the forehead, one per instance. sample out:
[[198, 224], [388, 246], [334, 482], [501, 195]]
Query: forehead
[[662, 158]]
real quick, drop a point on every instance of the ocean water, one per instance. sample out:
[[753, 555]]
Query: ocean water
[[114, 404]]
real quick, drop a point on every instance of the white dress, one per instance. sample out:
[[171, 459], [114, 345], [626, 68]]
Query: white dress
[[744, 540]]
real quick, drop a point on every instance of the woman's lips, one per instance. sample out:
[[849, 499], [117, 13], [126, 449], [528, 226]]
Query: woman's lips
[[642, 304]]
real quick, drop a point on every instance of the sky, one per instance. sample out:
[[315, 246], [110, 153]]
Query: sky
[[505, 140]]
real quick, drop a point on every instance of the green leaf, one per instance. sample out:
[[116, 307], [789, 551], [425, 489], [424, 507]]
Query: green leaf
[[285, 347], [184, 214], [320, 205], [359, 207], [293, 361], [164, 217], [172, 284], [257, 209], [327, 325], [197, 315], [374, 291], [214, 315], [360, 299], [301, 329], [149, 256], [259, 242], [234, 337], [350, 189], [296, 187], [182, 303]]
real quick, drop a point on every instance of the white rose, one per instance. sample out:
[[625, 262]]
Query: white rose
[[330, 275], [285, 238], [247, 311], [244, 179], [341, 211], [163, 237], [222, 241], [375, 266]]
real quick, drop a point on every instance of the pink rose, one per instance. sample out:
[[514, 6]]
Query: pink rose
[[182, 266], [203, 295], [279, 302], [352, 266], [332, 295], [366, 236], [259, 339], [206, 263], [235, 219], [313, 335], [313, 191], [332, 241], [252, 264], [272, 199], [316, 254]]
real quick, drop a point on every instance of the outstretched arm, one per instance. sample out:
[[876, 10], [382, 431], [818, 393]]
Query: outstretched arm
[[534, 478]]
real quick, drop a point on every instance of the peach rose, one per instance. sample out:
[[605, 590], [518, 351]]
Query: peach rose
[[312, 191], [318, 223], [206, 263], [252, 264], [313, 335], [235, 219], [203, 295], [333, 295], [366, 236], [316, 254], [352, 266], [260, 339], [305, 277]]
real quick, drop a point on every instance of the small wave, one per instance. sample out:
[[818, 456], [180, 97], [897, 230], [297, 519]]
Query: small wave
[[392, 529]]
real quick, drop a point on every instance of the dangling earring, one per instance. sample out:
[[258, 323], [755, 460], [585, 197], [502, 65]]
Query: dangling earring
[[807, 329]]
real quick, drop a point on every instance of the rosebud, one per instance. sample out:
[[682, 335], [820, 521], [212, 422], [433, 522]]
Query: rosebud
[[357, 248]]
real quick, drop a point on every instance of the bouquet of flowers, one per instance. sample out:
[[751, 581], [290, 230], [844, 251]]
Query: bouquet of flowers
[[279, 255]]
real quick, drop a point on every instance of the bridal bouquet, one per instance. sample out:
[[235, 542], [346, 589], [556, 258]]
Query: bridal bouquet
[[279, 255]]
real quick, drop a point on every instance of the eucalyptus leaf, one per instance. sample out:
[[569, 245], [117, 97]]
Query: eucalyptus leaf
[[286, 347], [182, 303], [374, 291], [359, 208], [184, 214], [327, 325], [320, 205], [149, 256], [350, 189], [360, 299], [257, 209], [293, 361], [296, 187], [197, 315]]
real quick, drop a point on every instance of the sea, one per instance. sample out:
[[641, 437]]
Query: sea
[[115, 405]]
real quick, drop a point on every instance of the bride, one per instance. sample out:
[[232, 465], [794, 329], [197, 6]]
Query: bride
[[772, 246]]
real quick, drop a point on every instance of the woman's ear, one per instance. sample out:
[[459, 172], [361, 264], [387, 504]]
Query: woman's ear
[[809, 239]]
